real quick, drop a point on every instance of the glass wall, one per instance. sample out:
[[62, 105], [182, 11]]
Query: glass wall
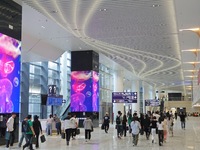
[[40, 75], [106, 83]]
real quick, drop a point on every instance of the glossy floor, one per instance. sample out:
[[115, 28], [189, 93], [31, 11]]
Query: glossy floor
[[188, 139]]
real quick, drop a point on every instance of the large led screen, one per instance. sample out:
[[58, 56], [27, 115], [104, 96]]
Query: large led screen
[[10, 54], [84, 91]]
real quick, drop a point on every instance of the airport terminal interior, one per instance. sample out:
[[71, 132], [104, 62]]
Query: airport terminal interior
[[98, 57]]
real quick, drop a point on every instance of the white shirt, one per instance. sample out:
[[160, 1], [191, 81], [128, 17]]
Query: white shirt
[[160, 125], [73, 122], [49, 120], [10, 124], [67, 124], [135, 126]]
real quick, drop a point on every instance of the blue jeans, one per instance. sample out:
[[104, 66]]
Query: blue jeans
[[29, 141], [49, 129], [22, 138], [183, 124]]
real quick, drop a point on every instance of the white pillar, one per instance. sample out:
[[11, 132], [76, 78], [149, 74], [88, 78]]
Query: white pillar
[[118, 87], [64, 76], [136, 88]]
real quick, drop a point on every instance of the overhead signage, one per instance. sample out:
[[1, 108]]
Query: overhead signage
[[124, 97], [152, 102]]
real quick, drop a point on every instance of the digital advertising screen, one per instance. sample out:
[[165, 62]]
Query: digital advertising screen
[[84, 91], [124, 97], [152, 102], [10, 57]]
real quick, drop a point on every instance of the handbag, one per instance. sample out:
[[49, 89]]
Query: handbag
[[92, 129], [141, 131], [102, 126], [77, 131], [42, 138], [127, 127], [63, 135], [33, 140], [7, 136]]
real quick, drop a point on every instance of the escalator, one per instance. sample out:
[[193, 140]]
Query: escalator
[[63, 110]]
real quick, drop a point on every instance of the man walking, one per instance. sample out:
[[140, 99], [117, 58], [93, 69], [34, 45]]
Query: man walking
[[10, 131], [106, 121], [23, 132], [29, 133]]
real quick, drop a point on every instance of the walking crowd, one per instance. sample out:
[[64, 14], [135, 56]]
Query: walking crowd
[[155, 126], [151, 124]]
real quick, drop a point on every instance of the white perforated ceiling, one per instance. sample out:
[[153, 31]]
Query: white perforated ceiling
[[140, 35]]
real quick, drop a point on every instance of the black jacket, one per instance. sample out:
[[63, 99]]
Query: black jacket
[[37, 126]]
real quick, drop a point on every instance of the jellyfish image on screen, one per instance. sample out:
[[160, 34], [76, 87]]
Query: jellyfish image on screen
[[95, 76], [95, 98], [78, 87], [9, 46], [77, 101], [6, 104], [6, 67], [10, 51], [80, 75], [94, 102]]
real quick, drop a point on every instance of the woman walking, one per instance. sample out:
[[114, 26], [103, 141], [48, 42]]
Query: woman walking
[[124, 121], [153, 128], [37, 128], [88, 125], [165, 128], [68, 128], [160, 126], [146, 126], [129, 122]]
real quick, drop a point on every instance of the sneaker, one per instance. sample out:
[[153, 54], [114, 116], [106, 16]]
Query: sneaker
[[152, 141], [67, 142]]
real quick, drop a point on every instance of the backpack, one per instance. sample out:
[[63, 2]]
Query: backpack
[[26, 126], [118, 120]]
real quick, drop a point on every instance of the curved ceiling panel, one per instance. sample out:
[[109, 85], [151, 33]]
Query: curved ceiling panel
[[140, 35]]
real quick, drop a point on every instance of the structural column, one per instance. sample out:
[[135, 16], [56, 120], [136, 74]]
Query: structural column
[[135, 88], [118, 87]]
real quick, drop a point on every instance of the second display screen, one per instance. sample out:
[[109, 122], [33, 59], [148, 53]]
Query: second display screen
[[84, 91]]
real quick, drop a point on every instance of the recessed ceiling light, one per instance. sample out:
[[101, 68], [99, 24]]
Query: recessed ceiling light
[[54, 11], [104, 9], [155, 5], [162, 24], [80, 48], [43, 27]]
